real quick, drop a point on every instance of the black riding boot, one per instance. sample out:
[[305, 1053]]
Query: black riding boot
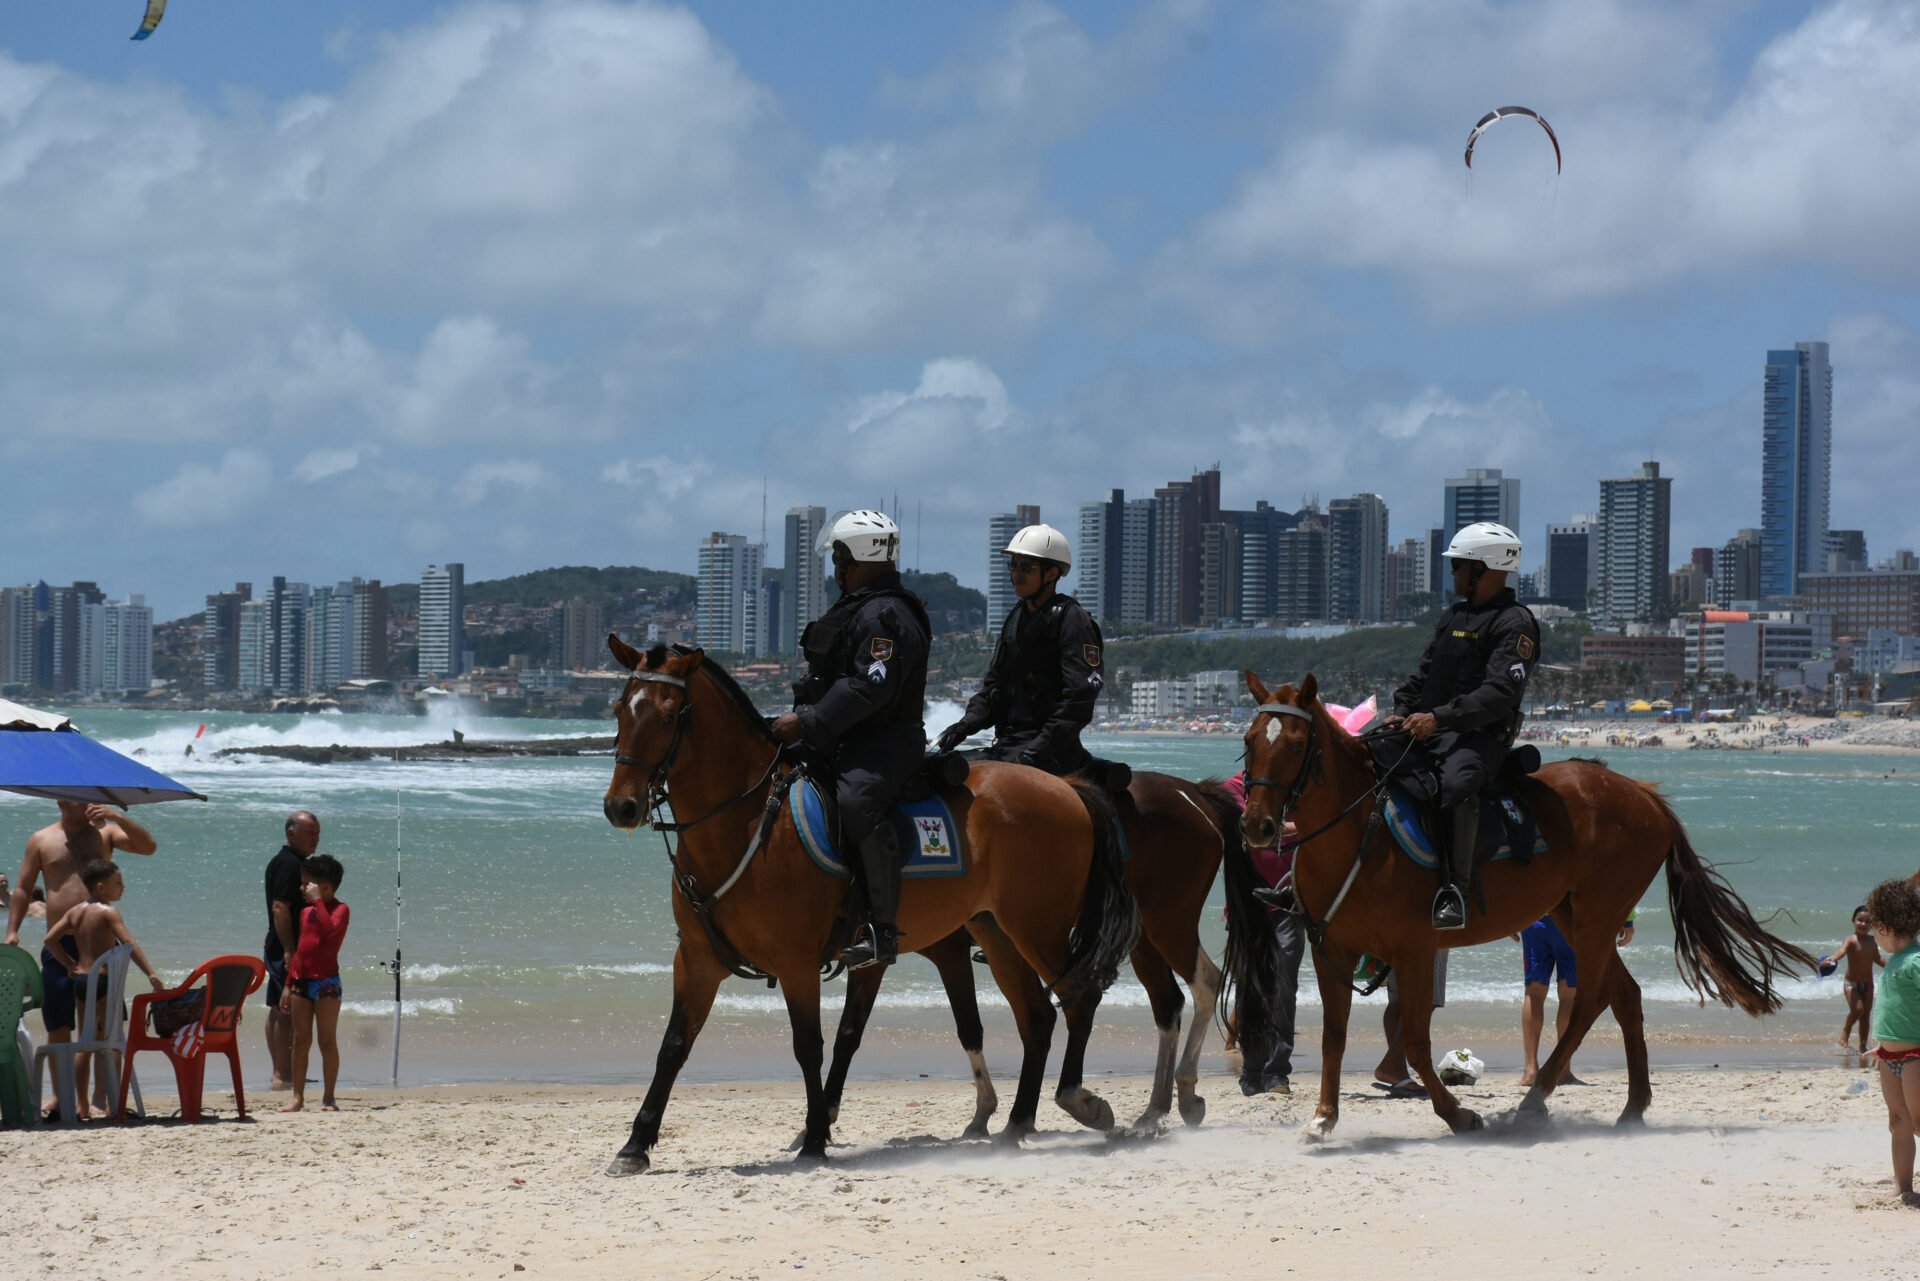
[[1450, 904], [878, 942]]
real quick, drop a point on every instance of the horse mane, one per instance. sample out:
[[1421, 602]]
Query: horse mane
[[741, 699]]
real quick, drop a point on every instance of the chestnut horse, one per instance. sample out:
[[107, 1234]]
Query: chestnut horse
[[1040, 857], [1177, 832], [1607, 836]]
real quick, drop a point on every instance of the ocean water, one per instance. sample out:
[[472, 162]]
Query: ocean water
[[539, 942]]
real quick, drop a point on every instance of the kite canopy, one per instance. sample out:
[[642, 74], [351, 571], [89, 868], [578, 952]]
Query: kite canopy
[[1501, 113], [156, 10]]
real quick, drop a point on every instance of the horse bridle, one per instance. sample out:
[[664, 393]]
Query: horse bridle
[[1298, 788], [657, 773]]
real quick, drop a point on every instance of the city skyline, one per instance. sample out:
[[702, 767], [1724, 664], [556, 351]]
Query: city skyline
[[1011, 254]]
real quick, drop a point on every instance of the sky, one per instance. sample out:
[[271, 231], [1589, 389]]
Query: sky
[[350, 288]]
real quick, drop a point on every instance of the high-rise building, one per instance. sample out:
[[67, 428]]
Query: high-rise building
[[220, 638], [369, 631], [1568, 563], [115, 649], [443, 623], [19, 635], [1099, 557], [1439, 577], [1136, 561], [254, 664], [1300, 578], [1220, 571], [1482, 494], [803, 584], [1358, 590], [61, 658], [1000, 531], [1736, 570], [727, 617], [1630, 552], [287, 605], [1181, 509], [1796, 465], [332, 632], [1846, 551], [1407, 576], [583, 635]]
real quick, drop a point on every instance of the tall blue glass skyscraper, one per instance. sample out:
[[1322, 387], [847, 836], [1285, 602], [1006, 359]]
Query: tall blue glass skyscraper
[[1796, 466]]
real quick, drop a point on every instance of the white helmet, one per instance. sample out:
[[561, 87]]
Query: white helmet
[[1494, 546], [868, 535], [1042, 542]]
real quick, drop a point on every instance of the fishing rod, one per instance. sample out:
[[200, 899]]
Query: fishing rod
[[393, 966]]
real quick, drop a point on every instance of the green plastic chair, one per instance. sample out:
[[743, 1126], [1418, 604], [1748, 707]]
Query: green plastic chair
[[20, 991]]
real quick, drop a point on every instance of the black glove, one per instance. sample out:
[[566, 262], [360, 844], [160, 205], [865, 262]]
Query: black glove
[[954, 735]]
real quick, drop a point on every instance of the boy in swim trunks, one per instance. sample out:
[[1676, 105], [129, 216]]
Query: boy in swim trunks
[[92, 929], [1894, 907], [313, 978], [1861, 954]]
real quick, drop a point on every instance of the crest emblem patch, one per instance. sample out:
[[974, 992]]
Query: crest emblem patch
[[881, 649], [1525, 646], [1092, 654], [1518, 671]]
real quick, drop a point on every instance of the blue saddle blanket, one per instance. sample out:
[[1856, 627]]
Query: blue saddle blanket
[[927, 832], [1500, 817]]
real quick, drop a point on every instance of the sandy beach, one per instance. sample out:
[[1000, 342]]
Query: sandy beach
[[1742, 1171]]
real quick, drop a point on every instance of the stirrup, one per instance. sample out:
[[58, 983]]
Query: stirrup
[[1449, 909], [874, 945]]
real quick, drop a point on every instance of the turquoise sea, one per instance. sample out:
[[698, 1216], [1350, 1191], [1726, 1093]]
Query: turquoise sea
[[538, 940]]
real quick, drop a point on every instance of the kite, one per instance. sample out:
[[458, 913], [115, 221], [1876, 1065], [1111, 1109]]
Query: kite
[[1502, 112], [156, 10]]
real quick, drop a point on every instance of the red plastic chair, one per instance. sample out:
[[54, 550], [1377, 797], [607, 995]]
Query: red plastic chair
[[230, 981]]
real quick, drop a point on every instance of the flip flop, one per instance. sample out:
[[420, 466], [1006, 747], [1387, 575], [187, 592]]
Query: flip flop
[[1407, 1089]]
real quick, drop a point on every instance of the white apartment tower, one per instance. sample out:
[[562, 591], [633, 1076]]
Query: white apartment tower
[[443, 630]]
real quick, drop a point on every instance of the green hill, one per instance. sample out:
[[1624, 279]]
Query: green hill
[[554, 586]]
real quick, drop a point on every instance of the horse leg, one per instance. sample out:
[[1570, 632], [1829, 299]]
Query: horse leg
[[803, 1012], [862, 987], [952, 957], [695, 981], [1080, 1103], [1336, 1000], [1593, 954], [1164, 994], [1625, 1002], [1416, 1023], [1203, 982], [1033, 1014]]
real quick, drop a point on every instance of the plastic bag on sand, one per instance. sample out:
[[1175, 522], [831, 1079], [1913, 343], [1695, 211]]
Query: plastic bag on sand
[[1460, 1067]]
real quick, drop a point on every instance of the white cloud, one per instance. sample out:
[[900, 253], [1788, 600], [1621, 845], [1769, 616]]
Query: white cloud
[[500, 482], [198, 494], [325, 464], [657, 476]]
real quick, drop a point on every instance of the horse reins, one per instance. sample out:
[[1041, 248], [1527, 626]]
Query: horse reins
[[1316, 930]]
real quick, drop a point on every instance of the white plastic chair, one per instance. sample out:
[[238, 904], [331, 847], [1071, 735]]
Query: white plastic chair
[[60, 1056]]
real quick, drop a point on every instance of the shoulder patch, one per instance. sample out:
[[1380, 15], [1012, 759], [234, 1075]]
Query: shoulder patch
[[1525, 646], [881, 649], [1518, 671], [1092, 654]]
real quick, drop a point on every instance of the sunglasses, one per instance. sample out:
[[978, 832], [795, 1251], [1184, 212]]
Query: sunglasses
[[1024, 565]]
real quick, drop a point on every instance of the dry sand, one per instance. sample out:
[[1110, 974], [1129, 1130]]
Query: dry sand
[[1742, 1172]]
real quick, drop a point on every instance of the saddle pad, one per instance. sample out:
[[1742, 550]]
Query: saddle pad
[[925, 827], [1496, 807]]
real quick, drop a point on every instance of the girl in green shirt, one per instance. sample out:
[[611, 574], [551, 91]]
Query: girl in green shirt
[[1895, 909]]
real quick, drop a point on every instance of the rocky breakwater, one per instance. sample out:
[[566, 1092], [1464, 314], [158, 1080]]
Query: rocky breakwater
[[457, 749]]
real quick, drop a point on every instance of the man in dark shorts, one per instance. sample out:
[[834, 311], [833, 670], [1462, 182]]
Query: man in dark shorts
[[284, 901]]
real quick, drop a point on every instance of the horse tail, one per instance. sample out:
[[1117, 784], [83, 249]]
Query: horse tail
[[1252, 959], [1109, 924], [1722, 950]]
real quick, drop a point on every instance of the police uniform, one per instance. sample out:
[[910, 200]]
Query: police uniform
[[1041, 687], [864, 698], [1472, 678]]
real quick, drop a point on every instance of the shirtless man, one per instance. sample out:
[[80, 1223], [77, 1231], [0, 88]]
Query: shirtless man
[[96, 927], [58, 852]]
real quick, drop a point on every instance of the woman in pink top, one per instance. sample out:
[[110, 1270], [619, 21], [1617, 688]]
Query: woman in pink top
[[313, 973]]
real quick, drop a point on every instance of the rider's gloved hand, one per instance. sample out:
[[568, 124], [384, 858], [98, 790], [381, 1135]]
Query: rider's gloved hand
[[954, 735]]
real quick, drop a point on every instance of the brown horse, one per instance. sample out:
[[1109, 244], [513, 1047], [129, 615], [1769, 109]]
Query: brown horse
[[1177, 832], [1607, 836], [1039, 857]]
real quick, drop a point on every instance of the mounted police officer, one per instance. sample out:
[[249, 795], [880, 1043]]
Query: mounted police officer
[[1041, 687], [861, 706], [1463, 706]]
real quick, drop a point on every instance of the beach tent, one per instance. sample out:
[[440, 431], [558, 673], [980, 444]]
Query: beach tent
[[1639, 705], [42, 754], [1662, 705]]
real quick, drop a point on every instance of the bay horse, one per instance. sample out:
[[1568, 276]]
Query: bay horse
[[1040, 856], [1177, 832], [1607, 836]]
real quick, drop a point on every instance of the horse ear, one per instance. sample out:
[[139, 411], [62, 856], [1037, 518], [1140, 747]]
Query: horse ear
[[1309, 688], [627, 655], [1255, 688]]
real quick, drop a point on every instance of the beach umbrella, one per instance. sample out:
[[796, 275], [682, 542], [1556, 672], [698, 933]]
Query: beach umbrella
[[42, 754]]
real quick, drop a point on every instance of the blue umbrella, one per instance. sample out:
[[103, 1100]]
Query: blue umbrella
[[42, 754]]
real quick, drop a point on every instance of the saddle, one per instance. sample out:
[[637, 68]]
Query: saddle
[[929, 836], [1508, 829]]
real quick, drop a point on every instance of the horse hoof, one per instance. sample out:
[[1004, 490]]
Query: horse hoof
[[1088, 1108], [1466, 1120], [812, 1155], [1318, 1130], [1632, 1118], [1012, 1136], [1194, 1110], [625, 1167], [1148, 1123], [978, 1130]]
